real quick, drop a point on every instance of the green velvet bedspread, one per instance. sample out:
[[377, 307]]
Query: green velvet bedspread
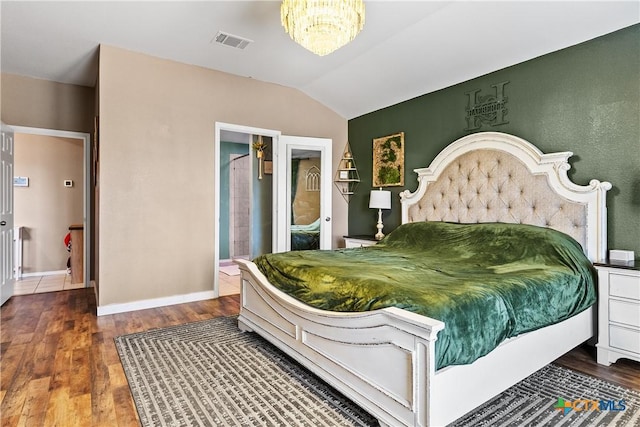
[[486, 282]]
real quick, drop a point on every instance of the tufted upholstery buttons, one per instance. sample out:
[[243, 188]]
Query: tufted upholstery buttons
[[491, 185]]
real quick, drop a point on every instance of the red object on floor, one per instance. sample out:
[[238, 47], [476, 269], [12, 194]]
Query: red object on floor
[[67, 241]]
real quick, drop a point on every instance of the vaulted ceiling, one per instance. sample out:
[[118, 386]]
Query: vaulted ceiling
[[407, 48]]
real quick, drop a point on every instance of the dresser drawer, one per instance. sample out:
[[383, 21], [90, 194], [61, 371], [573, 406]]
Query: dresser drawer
[[624, 339], [624, 312], [351, 242], [626, 286]]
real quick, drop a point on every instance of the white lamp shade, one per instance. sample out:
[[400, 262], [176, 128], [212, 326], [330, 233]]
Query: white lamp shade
[[380, 199]]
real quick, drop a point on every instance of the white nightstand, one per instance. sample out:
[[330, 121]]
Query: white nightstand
[[359, 241], [618, 312]]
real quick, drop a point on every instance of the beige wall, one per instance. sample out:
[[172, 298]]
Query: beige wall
[[157, 121], [46, 208], [43, 104]]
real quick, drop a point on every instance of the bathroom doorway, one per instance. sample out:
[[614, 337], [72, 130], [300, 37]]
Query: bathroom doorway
[[254, 198], [235, 207]]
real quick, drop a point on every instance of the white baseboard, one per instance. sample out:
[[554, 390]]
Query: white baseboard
[[153, 303], [44, 273]]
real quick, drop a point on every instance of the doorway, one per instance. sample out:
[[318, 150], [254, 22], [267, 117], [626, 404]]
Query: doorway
[[242, 213], [235, 203], [63, 195], [271, 197]]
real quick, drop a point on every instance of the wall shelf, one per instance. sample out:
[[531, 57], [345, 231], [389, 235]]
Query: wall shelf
[[347, 178]]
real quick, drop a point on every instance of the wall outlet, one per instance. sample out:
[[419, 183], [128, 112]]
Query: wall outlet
[[68, 183], [620, 255]]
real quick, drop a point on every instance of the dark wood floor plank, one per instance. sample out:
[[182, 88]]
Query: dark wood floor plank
[[102, 407], [11, 361], [42, 351], [80, 383], [624, 372], [60, 365], [35, 406], [125, 410], [18, 381], [81, 408], [59, 411]]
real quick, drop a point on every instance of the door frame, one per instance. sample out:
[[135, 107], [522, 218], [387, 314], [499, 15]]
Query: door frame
[[219, 127], [86, 222]]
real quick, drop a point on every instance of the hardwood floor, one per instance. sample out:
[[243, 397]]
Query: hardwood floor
[[60, 366], [624, 372]]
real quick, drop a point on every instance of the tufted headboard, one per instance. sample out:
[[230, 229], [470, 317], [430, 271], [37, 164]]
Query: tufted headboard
[[496, 177]]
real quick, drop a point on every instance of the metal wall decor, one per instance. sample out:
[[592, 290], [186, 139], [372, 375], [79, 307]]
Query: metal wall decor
[[388, 160], [489, 109], [347, 177], [260, 146]]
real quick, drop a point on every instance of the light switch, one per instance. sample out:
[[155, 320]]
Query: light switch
[[68, 183]]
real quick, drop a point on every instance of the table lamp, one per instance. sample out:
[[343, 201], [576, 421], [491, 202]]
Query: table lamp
[[380, 199]]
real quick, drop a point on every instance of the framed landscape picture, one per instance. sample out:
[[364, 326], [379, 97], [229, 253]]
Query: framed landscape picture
[[388, 160]]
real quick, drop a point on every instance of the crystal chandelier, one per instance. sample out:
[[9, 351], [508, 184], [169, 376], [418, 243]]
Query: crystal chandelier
[[322, 26]]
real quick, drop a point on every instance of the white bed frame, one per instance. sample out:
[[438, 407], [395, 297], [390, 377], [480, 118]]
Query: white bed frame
[[383, 360]]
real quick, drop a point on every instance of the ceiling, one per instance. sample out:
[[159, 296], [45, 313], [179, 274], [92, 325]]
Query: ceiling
[[406, 49]]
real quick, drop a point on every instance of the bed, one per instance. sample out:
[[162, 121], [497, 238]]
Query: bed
[[385, 359], [305, 237]]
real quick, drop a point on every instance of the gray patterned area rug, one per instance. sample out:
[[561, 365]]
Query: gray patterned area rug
[[211, 374], [556, 396]]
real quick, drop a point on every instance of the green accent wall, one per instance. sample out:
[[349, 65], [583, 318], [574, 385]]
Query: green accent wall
[[584, 99]]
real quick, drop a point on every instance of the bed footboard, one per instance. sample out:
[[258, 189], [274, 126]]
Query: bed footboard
[[382, 360]]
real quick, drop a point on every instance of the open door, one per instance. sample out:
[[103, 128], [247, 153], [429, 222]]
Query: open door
[[7, 273], [303, 214]]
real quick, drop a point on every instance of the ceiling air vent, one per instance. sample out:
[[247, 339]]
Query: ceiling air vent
[[231, 40]]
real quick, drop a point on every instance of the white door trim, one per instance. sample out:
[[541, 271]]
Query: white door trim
[[219, 127], [86, 222]]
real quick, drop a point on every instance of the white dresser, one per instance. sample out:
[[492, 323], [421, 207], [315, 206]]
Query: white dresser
[[359, 241], [618, 312]]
